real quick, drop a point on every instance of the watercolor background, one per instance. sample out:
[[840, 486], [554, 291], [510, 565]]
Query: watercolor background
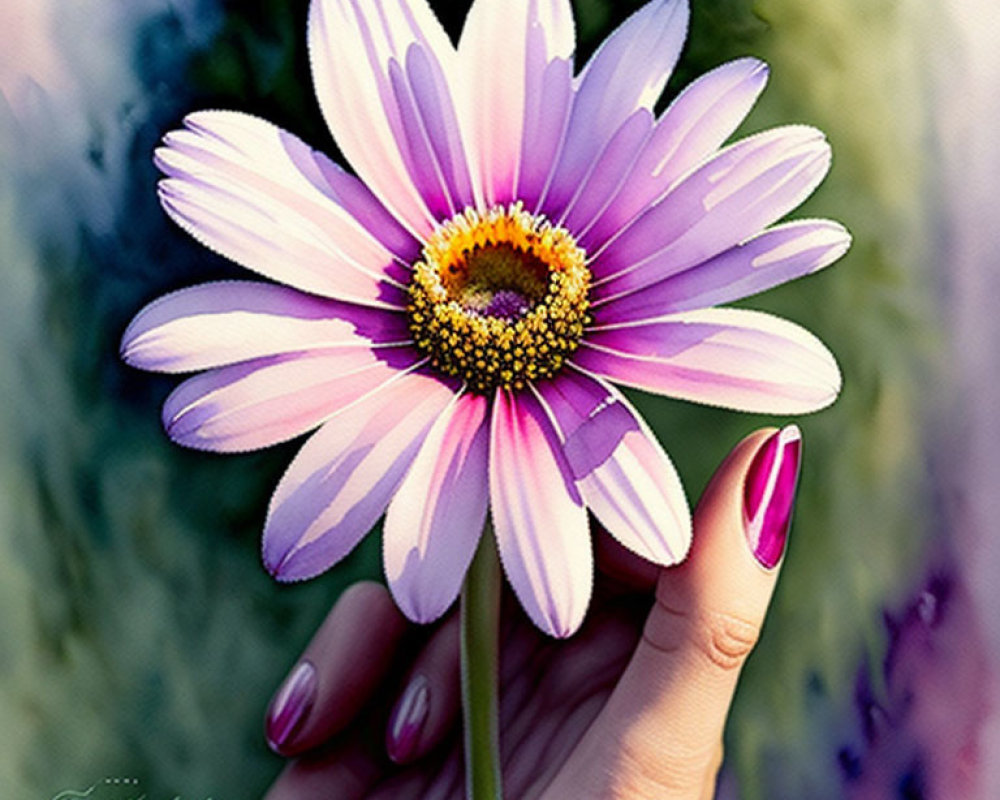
[[140, 638]]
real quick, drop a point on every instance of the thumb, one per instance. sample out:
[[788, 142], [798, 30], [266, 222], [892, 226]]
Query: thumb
[[660, 732]]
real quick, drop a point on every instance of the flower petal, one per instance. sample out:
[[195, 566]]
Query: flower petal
[[539, 518], [628, 72], [778, 255], [341, 481], [746, 187], [382, 70], [605, 174], [745, 360], [226, 322], [504, 53], [257, 195], [697, 122], [269, 400], [435, 520], [546, 118], [237, 144], [430, 138], [623, 474]]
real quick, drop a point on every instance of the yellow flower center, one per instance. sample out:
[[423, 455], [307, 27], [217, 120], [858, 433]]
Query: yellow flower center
[[499, 299]]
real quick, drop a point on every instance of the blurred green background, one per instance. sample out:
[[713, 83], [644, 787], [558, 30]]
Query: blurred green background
[[139, 635]]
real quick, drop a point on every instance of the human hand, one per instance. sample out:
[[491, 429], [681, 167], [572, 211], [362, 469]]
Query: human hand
[[622, 710]]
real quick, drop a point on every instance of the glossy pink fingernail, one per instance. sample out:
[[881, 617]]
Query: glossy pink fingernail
[[407, 719], [291, 706], [769, 494]]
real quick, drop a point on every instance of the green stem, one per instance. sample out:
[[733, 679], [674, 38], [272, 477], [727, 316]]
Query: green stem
[[480, 660]]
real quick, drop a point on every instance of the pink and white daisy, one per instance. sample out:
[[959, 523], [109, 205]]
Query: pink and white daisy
[[452, 320]]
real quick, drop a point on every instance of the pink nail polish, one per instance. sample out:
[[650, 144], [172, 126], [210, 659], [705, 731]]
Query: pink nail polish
[[407, 719], [769, 494], [291, 706]]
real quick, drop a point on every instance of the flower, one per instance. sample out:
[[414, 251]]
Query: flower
[[452, 319]]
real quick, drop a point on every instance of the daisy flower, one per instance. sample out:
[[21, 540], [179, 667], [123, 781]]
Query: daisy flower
[[453, 318]]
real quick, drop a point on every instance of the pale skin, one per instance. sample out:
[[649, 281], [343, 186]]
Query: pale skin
[[630, 708]]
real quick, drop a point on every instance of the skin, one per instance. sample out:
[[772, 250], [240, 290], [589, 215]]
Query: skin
[[630, 708]]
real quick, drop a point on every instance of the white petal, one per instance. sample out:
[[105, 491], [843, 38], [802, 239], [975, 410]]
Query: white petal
[[226, 322], [257, 195], [343, 478], [539, 518], [435, 520], [504, 54], [379, 67], [624, 475], [726, 357], [262, 402]]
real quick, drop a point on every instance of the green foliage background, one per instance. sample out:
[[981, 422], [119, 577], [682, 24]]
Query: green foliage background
[[140, 637]]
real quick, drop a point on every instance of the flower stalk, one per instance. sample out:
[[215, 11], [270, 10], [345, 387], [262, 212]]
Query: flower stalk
[[480, 609]]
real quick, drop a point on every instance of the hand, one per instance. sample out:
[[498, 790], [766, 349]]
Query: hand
[[621, 710]]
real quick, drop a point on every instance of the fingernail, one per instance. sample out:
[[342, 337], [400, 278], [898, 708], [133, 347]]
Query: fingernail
[[769, 494], [291, 706], [407, 719]]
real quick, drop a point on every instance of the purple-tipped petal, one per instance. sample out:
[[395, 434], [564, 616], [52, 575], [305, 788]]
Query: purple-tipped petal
[[382, 70], [250, 150], [343, 478], [623, 473], [697, 122], [429, 136], [538, 516], [504, 54], [627, 73], [262, 402], [226, 322], [260, 197], [546, 119], [258, 152], [743, 189], [434, 522], [745, 360], [605, 175], [778, 255]]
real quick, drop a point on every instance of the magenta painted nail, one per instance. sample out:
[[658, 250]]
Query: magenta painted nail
[[769, 494], [291, 706], [407, 719]]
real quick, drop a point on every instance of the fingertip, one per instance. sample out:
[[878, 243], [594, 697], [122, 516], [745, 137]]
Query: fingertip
[[714, 604], [730, 475], [428, 705], [738, 535], [347, 659], [291, 706], [407, 721], [769, 494]]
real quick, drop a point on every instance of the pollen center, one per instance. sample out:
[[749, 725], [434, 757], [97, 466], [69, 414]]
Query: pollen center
[[499, 299]]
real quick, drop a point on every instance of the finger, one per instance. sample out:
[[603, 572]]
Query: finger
[[346, 773], [659, 731], [347, 659], [428, 706]]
